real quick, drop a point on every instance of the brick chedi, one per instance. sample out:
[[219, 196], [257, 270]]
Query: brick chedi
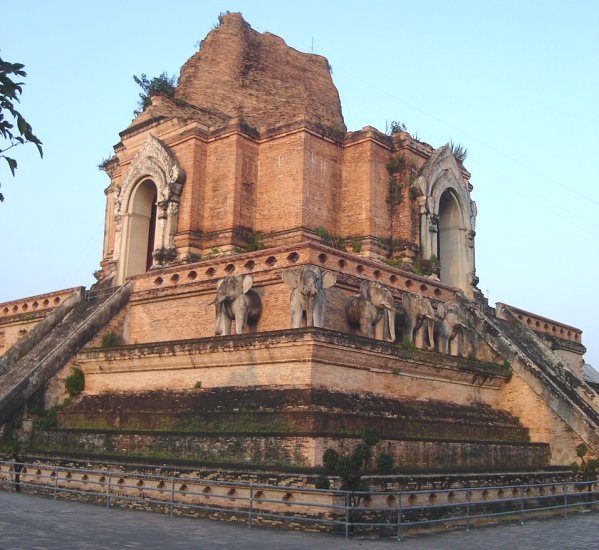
[[271, 284], [255, 78]]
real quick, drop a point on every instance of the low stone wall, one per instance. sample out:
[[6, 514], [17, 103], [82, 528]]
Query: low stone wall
[[294, 450], [299, 358], [287, 411]]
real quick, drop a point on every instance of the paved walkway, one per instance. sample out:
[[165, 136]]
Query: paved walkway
[[34, 522]]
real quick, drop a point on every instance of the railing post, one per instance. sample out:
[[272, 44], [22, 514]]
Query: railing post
[[522, 493], [398, 516], [108, 489], [468, 501], [11, 475], [172, 496], [55, 481], [565, 501], [347, 514], [251, 506]]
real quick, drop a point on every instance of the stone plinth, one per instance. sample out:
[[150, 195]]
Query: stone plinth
[[300, 358]]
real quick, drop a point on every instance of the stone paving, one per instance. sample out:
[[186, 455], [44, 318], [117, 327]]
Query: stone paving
[[34, 522]]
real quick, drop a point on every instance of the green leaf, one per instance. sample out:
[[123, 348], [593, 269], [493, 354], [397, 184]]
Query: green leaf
[[12, 164]]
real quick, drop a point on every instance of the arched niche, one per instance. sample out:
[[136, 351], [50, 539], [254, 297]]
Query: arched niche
[[141, 229], [148, 198], [447, 219], [450, 239]]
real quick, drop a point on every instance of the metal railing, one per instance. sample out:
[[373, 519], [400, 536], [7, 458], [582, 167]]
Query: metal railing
[[385, 513], [100, 293]]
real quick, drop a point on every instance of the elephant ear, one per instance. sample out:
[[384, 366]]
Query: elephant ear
[[364, 288], [219, 282], [328, 279], [246, 283], [290, 277]]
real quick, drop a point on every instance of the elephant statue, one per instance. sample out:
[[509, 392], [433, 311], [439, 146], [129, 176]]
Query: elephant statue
[[235, 300], [307, 296], [420, 314], [450, 328], [373, 311]]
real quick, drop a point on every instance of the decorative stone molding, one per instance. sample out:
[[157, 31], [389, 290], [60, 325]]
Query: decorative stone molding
[[156, 162], [440, 174], [153, 162]]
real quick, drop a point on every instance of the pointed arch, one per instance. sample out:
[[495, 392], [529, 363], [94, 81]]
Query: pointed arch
[[447, 219], [449, 238], [154, 165], [141, 234]]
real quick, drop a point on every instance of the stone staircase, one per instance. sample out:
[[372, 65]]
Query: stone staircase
[[566, 395], [27, 366]]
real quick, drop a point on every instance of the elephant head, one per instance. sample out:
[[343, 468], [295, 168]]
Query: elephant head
[[420, 313], [452, 328], [307, 297], [235, 300], [373, 310], [382, 300]]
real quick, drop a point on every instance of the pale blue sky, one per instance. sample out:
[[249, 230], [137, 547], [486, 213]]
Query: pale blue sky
[[516, 82]]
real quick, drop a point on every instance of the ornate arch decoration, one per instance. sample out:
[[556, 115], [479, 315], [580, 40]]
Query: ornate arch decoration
[[441, 174], [155, 162]]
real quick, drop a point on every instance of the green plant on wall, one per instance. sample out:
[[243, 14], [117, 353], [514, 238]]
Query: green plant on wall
[[75, 382], [356, 244], [328, 238], [255, 242], [395, 167], [397, 127], [109, 340]]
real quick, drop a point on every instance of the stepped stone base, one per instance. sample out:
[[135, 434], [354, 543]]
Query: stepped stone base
[[293, 450], [292, 427]]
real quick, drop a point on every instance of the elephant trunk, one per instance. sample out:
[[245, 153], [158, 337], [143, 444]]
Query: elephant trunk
[[218, 329], [309, 310], [391, 323]]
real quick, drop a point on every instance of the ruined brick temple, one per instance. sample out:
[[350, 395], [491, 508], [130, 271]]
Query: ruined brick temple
[[272, 283]]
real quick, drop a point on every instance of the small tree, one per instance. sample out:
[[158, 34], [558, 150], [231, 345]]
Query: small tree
[[587, 468], [351, 468], [162, 84], [10, 90]]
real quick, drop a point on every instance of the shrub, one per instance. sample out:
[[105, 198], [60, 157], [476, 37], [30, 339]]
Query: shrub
[[330, 459], [371, 435], [109, 340], [384, 463], [75, 382], [322, 482]]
